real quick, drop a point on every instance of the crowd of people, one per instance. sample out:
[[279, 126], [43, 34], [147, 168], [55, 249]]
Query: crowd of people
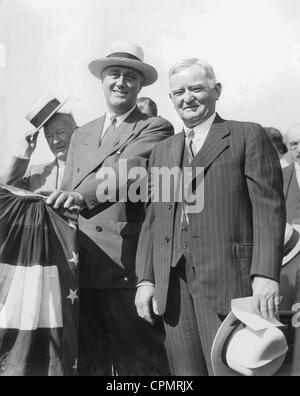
[[157, 278]]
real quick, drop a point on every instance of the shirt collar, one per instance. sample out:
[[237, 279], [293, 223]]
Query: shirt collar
[[120, 118], [204, 127], [297, 167], [61, 163]]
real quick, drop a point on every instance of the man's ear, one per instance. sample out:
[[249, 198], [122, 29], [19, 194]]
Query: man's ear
[[218, 89]]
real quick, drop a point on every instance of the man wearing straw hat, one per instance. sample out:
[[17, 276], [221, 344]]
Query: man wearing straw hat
[[58, 128], [109, 231]]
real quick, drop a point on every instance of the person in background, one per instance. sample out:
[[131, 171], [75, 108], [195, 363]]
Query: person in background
[[58, 128], [282, 150], [147, 106], [291, 176]]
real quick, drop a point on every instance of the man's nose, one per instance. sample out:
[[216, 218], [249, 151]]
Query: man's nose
[[121, 81], [56, 140], [188, 96]]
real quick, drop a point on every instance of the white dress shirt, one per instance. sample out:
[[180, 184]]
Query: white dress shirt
[[201, 132], [119, 120]]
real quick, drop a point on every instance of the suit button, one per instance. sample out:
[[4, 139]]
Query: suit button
[[99, 229], [184, 229], [170, 207], [78, 170], [167, 239], [185, 246]]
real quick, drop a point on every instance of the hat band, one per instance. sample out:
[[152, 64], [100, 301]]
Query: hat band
[[291, 243], [45, 112], [123, 55]]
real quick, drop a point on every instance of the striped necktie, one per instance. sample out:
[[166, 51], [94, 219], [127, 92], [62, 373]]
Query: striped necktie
[[190, 134]]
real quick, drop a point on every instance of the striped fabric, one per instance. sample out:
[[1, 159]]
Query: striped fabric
[[38, 287], [240, 231]]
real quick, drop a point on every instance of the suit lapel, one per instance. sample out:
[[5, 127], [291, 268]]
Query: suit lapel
[[92, 155], [214, 144], [288, 176], [173, 158], [175, 154], [88, 148]]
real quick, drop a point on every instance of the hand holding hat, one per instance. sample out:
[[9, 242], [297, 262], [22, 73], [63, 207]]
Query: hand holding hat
[[246, 344], [266, 298]]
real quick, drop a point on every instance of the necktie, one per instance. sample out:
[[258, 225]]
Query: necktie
[[109, 135], [190, 144]]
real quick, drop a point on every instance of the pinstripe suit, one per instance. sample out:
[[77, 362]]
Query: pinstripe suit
[[238, 234]]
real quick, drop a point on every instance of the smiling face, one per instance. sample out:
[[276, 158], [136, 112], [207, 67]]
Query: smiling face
[[193, 95], [121, 87], [58, 132]]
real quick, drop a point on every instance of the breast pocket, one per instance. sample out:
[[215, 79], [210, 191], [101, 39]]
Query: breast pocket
[[243, 251]]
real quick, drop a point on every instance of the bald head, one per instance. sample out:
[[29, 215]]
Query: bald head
[[293, 139]]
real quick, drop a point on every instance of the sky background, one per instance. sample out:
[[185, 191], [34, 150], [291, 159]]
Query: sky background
[[46, 45]]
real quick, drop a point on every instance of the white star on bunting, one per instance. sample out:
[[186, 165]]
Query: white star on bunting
[[73, 295], [74, 259]]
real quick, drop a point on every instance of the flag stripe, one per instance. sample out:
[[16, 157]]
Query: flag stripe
[[31, 298]]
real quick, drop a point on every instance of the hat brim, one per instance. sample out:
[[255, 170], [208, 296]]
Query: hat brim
[[97, 67], [228, 326], [48, 118], [296, 249], [220, 369]]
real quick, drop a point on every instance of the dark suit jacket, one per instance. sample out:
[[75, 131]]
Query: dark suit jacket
[[31, 178], [292, 194], [109, 232], [240, 231]]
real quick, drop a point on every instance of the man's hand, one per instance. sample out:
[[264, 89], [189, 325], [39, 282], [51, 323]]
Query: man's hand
[[69, 200], [266, 297], [28, 145], [144, 301]]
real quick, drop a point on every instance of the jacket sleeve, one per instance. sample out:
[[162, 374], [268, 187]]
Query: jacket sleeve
[[144, 256], [136, 152], [17, 173], [265, 186]]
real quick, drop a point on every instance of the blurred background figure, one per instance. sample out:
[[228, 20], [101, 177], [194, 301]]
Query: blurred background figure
[[282, 150], [58, 128], [147, 106], [291, 176]]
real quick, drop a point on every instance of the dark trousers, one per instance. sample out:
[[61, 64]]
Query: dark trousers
[[190, 324], [112, 335]]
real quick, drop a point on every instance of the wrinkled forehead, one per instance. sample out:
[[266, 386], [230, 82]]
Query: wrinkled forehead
[[293, 134], [190, 75]]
